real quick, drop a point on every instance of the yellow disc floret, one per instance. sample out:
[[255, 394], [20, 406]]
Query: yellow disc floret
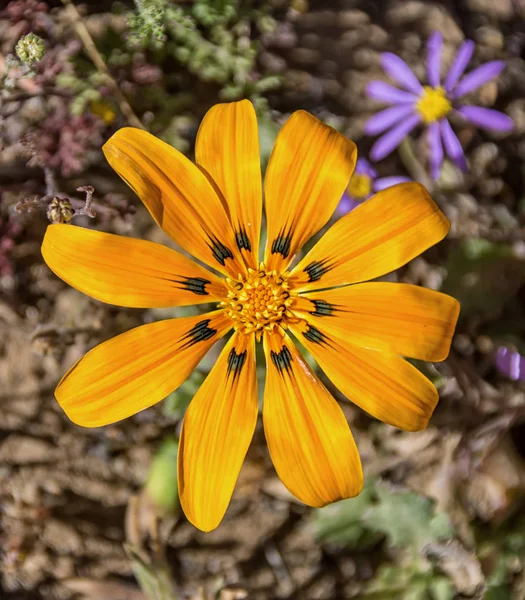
[[259, 301], [433, 104], [360, 186]]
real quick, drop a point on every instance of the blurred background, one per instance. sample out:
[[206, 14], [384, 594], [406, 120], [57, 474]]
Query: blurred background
[[93, 514]]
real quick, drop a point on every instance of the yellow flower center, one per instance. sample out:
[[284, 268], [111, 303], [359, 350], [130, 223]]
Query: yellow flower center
[[258, 302], [360, 186], [433, 104]]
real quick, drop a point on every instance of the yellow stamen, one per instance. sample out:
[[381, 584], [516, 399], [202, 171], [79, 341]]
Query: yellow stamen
[[433, 104], [259, 301], [360, 186]]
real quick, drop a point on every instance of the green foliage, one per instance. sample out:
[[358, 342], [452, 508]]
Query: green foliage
[[84, 89], [212, 39], [341, 522], [153, 577], [177, 402], [404, 520], [483, 276], [407, 519], [268, 131], [504, 550], [147, 24], [161, 486], [408, 583]]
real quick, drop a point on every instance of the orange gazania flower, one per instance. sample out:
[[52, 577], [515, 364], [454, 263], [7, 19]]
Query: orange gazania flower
[[358, 332]]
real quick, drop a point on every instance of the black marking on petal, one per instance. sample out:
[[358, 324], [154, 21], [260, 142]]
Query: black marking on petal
[[322, 308], [220, 251], [282, 360], [315, 270], [243, 242], [197, 285], [198, 333], [281, 244], [236, 363], [314, 335]]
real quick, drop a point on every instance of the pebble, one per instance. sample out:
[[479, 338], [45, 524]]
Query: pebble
[[490, 36], [516, 111], [365, 58], [348, 19], [305, 57], [320, 18], [329, 67], [310, 40], [272, 63], [499, 9], [351, 39]]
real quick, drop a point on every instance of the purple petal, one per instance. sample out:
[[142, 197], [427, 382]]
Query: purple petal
[[385, 182], [478, 77], [380, 90], [434, 47], [510, 363], [487, 118], [400, 72], [452, 145], [435, 148], [457, 68], [391, 140], [346, 204], [384, 119], [363, 167]]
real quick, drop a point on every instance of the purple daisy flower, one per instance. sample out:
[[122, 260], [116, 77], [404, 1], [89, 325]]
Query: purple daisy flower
[[510, 363], [432, 104], [363, 184]]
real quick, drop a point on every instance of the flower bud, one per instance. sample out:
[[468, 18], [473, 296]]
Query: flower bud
[[60, 210], [30, 48]]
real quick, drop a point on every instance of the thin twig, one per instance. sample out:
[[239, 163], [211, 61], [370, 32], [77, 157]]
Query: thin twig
[[98, 61], [51, 184], [87, 209]]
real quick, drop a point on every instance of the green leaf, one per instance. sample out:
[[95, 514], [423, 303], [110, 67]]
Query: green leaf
[[406, 518], [177, 402], [483, 276], [154, 580], [162, 485], [408, 582], [340, 523]]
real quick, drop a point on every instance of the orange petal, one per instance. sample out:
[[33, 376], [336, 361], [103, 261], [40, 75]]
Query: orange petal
[[379, 236], [308, 172], [136, 369], [227, 148], [396, 317], [178, 195], [386, 386], [310, 442], [126, 271], [216, 432]]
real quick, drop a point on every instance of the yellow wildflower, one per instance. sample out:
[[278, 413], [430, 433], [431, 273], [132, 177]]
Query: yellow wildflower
[[358, 332]]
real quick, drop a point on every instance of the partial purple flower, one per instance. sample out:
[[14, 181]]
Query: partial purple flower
[[363, 184], [431, 105], [510, 363]]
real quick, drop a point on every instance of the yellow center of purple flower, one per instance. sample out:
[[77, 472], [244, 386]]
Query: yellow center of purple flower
[[259, 301], [360, 186], [433, 104]]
